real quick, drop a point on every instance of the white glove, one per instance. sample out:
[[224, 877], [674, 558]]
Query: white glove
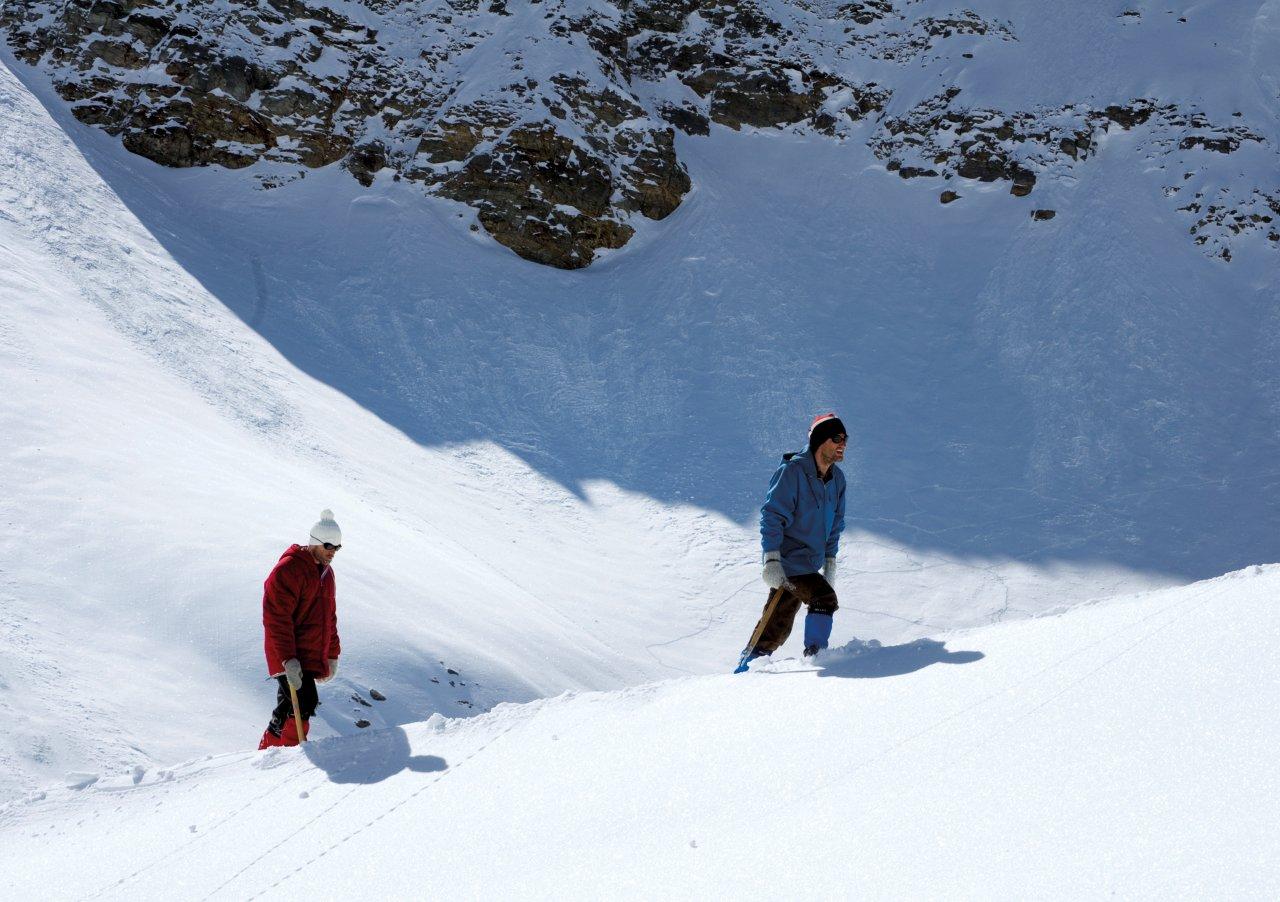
[[333, 671], [774, 576], [829, 572], [293, 673]]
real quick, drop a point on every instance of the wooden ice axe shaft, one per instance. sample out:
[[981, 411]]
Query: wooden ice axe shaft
[[297, 713]]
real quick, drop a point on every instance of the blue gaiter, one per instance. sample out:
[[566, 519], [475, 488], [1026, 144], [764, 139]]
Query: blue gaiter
[[817, 629]]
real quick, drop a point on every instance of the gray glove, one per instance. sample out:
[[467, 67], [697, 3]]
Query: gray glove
[[774, 576], [829, 571], [333, 671], [293, 673]]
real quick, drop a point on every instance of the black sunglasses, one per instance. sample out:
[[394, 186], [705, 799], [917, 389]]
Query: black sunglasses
[[839, 439], [329, 546]]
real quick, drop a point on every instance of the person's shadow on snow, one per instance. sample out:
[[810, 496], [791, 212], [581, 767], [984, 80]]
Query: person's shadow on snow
[[370, 757], [892, 660]]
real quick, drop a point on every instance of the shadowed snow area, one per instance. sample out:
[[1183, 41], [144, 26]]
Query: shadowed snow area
[[1120, 749], [1089, 389]]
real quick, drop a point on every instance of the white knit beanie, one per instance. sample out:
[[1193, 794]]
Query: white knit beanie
[[326, 530]]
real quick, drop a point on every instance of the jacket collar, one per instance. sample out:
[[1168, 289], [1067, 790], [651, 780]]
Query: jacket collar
[[805, 459], [300, 552]]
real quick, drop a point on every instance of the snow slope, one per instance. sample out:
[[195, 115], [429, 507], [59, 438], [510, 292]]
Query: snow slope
[[160, 455], [158, 459], [1122, 749], [1091, 389], [548, 478]]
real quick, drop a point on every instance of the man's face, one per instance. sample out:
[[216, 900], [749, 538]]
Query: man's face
[[833, 448], [323, 553]]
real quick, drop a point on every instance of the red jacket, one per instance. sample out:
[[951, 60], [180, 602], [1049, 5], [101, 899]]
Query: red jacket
[[300, 614]]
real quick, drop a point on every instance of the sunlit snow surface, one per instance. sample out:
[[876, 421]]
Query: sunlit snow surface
[[1123, 749]]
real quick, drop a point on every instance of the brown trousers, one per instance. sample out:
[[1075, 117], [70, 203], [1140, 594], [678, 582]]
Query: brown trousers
[[811, 589]]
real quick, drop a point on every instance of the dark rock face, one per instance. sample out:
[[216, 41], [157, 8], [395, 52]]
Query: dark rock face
[[977, 144], [942, 137], [555, 166], [1217, 222], [561, 130], [887, 31], [365, 161], [746, 69], [866, 12], [686, 118], [523, 187]]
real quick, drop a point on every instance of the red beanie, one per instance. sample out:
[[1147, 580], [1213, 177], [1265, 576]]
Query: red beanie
[[823, 427]]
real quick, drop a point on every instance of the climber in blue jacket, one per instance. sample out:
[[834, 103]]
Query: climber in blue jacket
[[800, 526]]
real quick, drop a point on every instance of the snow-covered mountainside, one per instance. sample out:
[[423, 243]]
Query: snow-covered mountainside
[[161, 455], [1093, 387], [1122, 750]]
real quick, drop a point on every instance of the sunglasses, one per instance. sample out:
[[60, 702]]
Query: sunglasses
[[329, 546], [839, 439]]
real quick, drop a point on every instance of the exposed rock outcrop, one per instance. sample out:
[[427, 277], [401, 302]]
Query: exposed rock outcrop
[[558, 121]]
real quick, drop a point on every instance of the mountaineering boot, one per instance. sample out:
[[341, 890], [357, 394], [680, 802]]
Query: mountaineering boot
[[748, 657], [283, 734], [817, 632]]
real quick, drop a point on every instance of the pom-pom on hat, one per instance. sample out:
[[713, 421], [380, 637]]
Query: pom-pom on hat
[[326, 530], [823, 427]]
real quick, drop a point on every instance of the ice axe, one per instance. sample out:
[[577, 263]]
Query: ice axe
[[297, 713], [774, 597]]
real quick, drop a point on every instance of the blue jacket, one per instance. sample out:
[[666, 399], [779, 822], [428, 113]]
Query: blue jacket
[[803, 516]]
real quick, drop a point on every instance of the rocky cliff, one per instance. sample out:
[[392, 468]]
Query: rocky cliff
[[556, 120]]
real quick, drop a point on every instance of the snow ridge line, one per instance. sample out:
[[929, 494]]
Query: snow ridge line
[[212, 829], [1124, 651], [385, 754], [529, 711], [413, 795], [258, 798], [1206, 596]]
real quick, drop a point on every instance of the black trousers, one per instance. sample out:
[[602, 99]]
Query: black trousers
[[308, 701]]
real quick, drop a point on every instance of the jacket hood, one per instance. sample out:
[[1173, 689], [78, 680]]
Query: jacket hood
[[805, 459], [297, 551]]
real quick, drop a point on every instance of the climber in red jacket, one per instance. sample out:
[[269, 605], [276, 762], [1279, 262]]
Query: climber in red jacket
[[300, 619]]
